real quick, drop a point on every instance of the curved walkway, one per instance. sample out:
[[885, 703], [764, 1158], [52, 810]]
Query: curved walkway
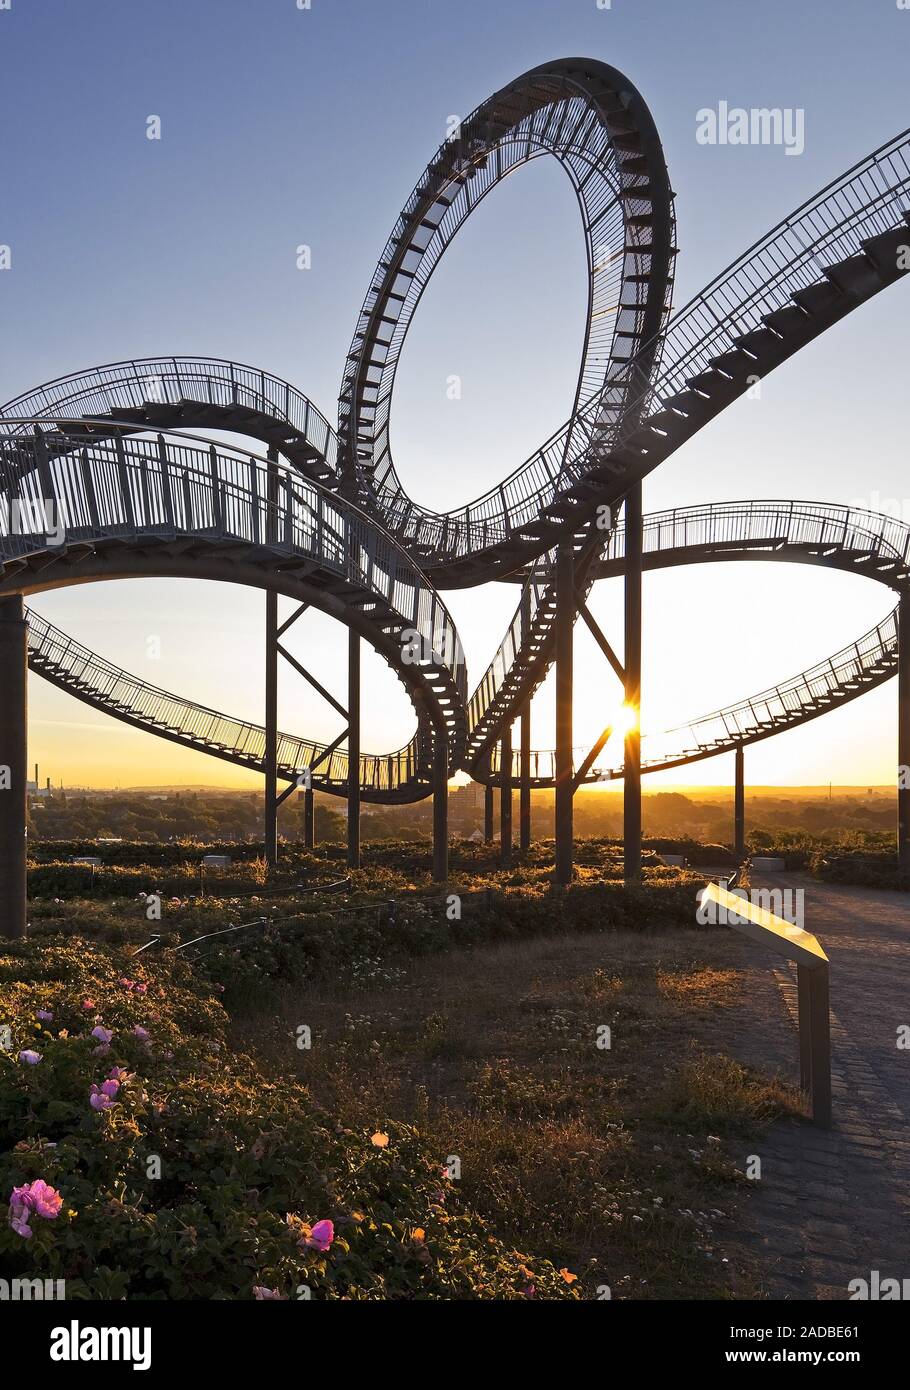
[[129, 506]]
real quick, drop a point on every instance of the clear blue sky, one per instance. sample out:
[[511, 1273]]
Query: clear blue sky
[[283, 126]]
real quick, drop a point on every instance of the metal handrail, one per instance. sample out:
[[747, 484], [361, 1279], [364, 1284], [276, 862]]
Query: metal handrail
[[552, 112], [124, 385], [872, 658], [792, 522], [121, 486], [222, 492], [113, 686], [66, 661], [834, 223], [827, 227]]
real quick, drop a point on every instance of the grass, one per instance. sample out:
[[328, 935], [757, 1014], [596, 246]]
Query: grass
[[622, 1165]]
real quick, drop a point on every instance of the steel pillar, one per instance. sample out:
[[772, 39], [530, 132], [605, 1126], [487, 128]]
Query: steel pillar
[[440, 809], [565, 621], [903, 735], [524, 794], [270, 758], [309, 819], [353, 749], [271, 729], [739, 805], [13, 766], [632, 684], [505, 797], [488, 815]]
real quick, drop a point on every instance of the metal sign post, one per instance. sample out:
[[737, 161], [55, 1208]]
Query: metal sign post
[[767, 929], [815, 1040]]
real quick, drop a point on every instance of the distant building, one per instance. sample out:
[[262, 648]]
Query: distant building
[[35, 788]]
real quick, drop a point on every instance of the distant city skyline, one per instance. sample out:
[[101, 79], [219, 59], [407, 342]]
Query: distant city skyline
[[281, 127]]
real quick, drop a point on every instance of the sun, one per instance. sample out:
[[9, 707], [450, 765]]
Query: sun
[[624, 719]]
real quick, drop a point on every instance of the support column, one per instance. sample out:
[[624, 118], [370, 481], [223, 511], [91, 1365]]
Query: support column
[[903, 735], [524, 795], [271, 729], [13, 769], [505, 797], [309, 819], [565, 620], [440, 809], [632, 668], [271, 683], [488, 814], [353, 749], [739, 805]]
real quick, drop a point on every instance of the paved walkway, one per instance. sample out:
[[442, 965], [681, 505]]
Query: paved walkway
[[833, 1206]]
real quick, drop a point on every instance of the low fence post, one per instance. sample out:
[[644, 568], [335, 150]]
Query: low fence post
[[812, 984], [819, 1030]]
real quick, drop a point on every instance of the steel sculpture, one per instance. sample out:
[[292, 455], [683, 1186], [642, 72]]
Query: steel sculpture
[[115, 455]]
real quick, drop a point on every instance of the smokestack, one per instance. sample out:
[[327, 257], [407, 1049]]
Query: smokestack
[[36, 776]]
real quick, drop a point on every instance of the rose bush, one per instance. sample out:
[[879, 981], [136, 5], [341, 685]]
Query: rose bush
[[140, 1158]]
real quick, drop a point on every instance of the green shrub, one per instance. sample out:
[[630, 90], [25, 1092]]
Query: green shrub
[[58, 879], [869, 868]]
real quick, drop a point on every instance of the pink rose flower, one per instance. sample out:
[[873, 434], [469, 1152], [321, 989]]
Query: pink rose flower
[[37, 1198], [101, 1099], [103, 1035], [263, 1294], [45, 1200], [18, 1219], [321, 1236], [30, 1058]]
